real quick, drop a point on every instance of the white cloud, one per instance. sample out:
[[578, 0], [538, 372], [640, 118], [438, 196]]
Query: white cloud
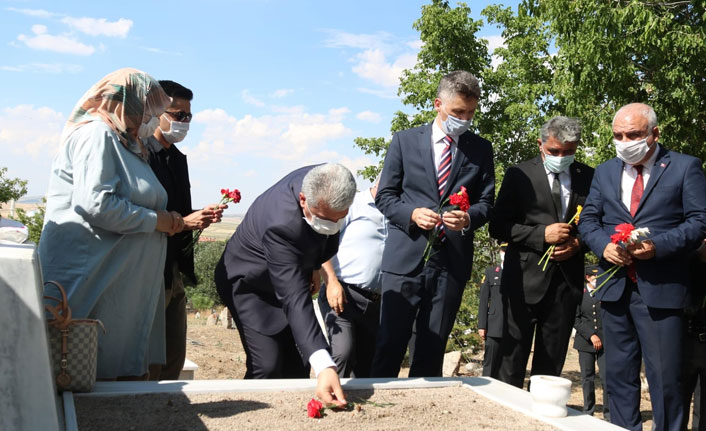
[[286, 135], [248, 98], [282, 92], [37, 13], [159, 51], [342, 39], [44, 68], [373, 66], [369, 116], [44, 41], [494, 42], [25, 129], [387, 93], [415, 45], [99, 26]]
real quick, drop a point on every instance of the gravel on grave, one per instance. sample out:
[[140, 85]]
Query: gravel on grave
[[381, 409]]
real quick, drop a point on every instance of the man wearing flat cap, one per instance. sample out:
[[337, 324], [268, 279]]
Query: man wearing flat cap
[[589, 343]]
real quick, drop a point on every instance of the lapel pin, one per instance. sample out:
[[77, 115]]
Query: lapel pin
[[578, 170], [661, 165]]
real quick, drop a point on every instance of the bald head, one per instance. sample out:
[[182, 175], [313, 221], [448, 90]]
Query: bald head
[[637, 112]]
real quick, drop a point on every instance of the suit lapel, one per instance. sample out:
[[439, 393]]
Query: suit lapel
[[616, 177], [456, 163], [661, 165], [427, 156], [539, 176], [574, 172]]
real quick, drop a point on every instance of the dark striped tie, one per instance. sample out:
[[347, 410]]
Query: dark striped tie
[[442, 178]]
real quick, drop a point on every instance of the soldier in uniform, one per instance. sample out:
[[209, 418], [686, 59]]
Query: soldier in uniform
[[490, 316], [589, 343]]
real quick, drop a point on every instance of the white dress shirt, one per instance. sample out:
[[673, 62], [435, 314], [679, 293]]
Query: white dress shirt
[[565, 181], [439, 143], [362, 241], [629, 175]]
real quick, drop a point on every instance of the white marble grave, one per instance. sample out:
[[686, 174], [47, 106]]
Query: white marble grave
[[27, 392]]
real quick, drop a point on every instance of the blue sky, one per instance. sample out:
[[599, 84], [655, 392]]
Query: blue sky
[[277, 84]]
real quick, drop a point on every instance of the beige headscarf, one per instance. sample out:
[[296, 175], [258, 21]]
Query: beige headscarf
[[123, 99]]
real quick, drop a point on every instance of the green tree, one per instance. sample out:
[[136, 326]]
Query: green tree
[[34, 223], [450, 44], [11, 188], [206, 256]]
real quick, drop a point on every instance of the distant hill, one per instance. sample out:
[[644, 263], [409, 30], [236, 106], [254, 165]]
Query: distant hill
[[30, 200]]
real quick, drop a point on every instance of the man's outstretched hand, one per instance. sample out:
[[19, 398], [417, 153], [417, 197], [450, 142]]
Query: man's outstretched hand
[[328, 388]]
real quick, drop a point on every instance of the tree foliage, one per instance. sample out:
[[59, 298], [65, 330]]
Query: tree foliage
[[206, 256], [11, 188], [34, 222]]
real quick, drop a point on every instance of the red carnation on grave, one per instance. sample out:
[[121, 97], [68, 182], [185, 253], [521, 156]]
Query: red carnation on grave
[[313, 409]]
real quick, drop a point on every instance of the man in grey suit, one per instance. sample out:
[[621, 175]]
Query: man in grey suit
[[270, 269]]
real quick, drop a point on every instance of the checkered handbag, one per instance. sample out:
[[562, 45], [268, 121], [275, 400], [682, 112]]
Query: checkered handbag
[[73, 344]]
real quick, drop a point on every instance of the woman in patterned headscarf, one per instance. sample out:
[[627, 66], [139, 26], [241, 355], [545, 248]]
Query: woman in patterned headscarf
[[105, 226]]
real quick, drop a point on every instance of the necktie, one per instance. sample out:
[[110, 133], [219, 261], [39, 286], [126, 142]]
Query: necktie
[[556, 195], [637, 188], [442, 177]]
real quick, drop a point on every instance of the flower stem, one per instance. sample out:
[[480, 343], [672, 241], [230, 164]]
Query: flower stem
[[611, 272]]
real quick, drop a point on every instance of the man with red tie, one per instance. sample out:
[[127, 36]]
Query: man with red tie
[[423, 167], [650, 187]]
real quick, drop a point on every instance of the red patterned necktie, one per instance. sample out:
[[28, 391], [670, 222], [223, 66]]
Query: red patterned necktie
[[637, 188], [635, 196], [442, 177]]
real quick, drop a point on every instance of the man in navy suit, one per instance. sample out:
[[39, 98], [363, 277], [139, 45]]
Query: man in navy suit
[[423, 167], [270, 269], [651, 187]]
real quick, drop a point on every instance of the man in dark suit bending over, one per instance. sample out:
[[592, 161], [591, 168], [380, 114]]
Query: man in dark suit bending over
[[423, 167], [270, 269]]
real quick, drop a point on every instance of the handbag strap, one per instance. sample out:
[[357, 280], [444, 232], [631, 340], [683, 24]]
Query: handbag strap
[[61, 311]]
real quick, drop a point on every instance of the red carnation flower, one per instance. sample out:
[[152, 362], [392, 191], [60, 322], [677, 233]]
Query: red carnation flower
[[460, 199], [313, 409]]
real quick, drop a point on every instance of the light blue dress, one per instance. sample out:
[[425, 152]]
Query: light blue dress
[[99, 241]]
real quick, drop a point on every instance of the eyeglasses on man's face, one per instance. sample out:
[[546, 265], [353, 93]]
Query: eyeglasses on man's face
[[181, 116]]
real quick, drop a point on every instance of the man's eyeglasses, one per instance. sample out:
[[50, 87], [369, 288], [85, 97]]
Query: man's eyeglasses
[[180, 116]]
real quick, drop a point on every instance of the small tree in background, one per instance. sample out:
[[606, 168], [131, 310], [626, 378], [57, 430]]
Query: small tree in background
[[206, 256], [11, 188]]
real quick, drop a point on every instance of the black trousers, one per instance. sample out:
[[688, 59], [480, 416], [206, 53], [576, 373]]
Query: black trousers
[[352, 333], [492, 357], [694, 381], [271, 357], [587, 363], [549, 323], [429, 299]]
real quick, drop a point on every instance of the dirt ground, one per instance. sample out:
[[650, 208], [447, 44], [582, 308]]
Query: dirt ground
[[440, 408], [220, 355]]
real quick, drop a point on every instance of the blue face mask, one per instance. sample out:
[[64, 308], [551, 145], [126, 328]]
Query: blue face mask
[[454, 126], [557, 164]]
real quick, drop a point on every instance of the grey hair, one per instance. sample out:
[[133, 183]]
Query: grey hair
[[564, 129], [458, 82], [645, 110], [331, 184]]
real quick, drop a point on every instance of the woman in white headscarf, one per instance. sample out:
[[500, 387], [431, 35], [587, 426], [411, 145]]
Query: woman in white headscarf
[[105, 227]]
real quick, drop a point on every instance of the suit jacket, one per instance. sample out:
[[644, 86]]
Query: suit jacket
[[409, 181], [673, 207], [490, 306], [523, 210], [587, 323], [267, 265], [171, 168]]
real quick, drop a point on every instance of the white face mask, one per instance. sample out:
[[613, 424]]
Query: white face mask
[[147, 129], [324, 227], [177, 131], [454, 126], [631, 152]]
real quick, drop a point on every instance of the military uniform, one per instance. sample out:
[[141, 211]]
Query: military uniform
[[588, 323], [490, 318]]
